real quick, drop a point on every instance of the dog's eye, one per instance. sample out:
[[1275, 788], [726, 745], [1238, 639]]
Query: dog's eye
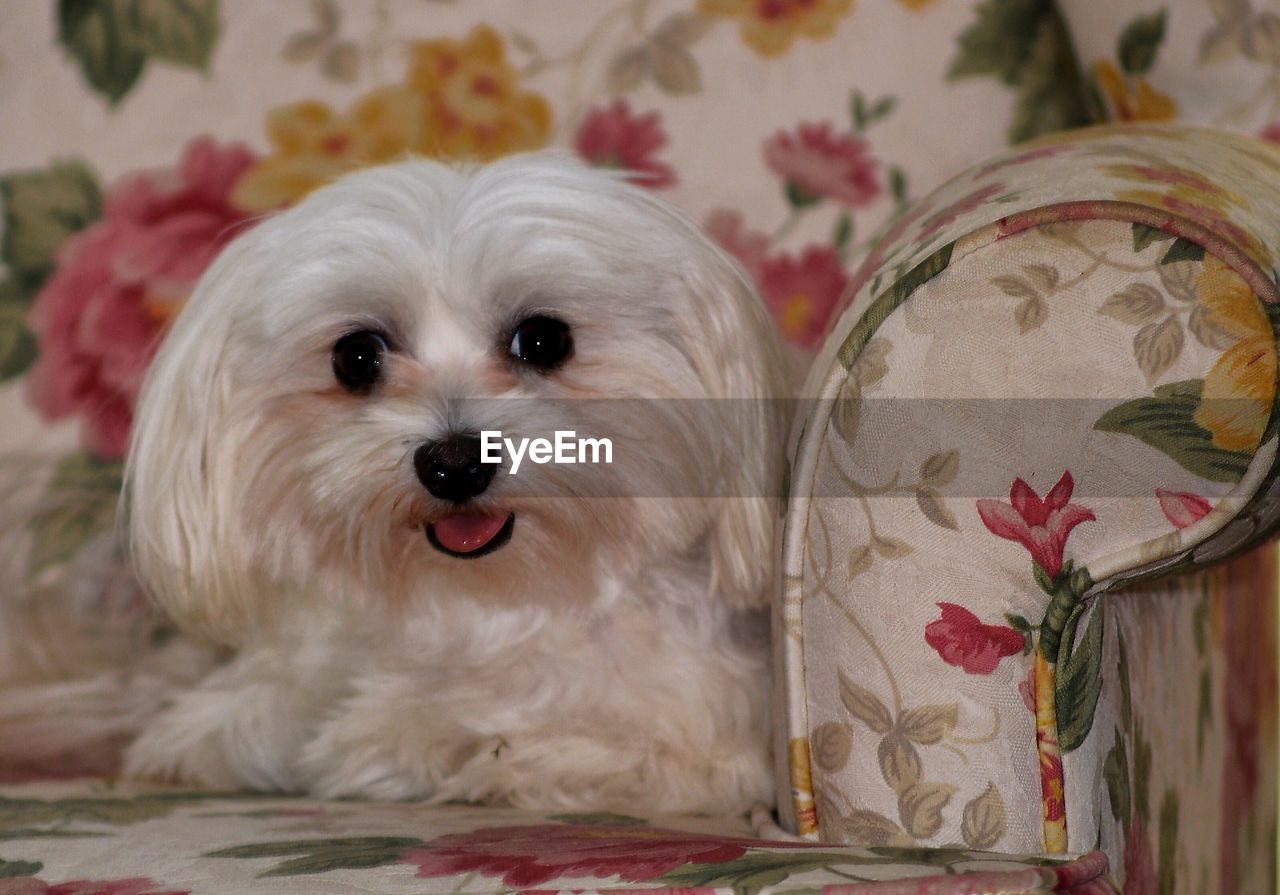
[[542, 342], [357, 360]]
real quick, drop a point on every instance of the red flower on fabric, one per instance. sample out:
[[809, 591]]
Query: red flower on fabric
[[802, 292], [1042, 526], [1182, 508], [529, 856], [822, 164], [611, 137], [119, 281], [962, 640]]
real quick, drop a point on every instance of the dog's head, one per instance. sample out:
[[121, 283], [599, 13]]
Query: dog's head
[[311, 426]]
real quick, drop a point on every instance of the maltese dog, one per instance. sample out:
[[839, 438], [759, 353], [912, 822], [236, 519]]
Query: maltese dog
[[312, 483]]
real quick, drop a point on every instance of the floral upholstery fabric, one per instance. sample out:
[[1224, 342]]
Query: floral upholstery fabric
[[1203, 61], [96, 839], [1022, 411], [1184, 791]]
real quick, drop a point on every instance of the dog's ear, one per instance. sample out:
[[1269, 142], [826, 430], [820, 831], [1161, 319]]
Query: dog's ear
[[738, 355], [181, 477]]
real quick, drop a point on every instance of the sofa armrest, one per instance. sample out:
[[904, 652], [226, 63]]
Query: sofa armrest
[[1056, 377]]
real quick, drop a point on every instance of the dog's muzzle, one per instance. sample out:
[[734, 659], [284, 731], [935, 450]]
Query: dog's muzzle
[[450, 469]]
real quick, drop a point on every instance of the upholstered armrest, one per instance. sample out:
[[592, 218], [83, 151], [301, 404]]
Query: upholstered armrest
[[1056, 378]]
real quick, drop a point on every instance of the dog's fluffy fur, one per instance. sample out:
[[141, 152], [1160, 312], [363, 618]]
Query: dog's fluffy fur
[[597, 660]]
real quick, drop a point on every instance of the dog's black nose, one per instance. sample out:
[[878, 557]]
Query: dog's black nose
[[451, 469]]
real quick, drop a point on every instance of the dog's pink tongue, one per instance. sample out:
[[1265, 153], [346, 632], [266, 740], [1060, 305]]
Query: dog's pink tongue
[[466, 532]]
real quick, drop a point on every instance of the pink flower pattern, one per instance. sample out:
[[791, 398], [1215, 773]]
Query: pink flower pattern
[[1182, 508], [822, 164], [1041, 526], [802, 292], [612, 137], [101, 313], [964, 641]]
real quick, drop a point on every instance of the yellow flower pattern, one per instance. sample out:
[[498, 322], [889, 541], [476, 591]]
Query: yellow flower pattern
[[472, 103], [1240, 387], [770, 27], [314, 145], [1132, 99], [460, 100]]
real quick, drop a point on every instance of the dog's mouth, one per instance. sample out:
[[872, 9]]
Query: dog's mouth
[[470, 535]]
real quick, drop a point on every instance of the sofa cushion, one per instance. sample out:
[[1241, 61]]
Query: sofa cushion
[[93, 836]]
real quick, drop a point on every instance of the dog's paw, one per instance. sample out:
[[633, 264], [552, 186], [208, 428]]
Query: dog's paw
[[372, 751], [174, 750], [232, 737], [375, 777]]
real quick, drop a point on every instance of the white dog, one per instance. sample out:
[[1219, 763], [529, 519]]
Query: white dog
[[304, 487]]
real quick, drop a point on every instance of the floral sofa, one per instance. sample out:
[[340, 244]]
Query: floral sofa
[[1025, 627]]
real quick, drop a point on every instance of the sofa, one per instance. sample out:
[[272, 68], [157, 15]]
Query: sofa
[[1025, 620]]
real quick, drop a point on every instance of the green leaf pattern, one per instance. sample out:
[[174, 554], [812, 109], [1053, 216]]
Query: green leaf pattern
[[1166, 422], [41, 209], [1025, 45], [113, 40], [1140, 41]]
